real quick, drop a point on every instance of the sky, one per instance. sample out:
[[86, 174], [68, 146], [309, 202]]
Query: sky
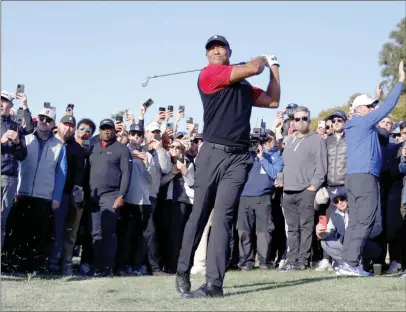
[[97, 54]]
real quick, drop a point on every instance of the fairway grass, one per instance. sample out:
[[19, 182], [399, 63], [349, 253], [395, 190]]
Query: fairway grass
[[255, 291]]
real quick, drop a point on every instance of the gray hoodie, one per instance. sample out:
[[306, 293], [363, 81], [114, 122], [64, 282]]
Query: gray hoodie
[[305, 162]]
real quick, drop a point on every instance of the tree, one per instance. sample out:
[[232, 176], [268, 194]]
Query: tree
[[391, 53]]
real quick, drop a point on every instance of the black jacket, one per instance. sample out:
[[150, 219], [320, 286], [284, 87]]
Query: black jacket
[[75, 156], [11, 153], [336, 160], [110, 169]]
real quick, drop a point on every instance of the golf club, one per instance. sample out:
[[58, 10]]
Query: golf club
[[146, 81]]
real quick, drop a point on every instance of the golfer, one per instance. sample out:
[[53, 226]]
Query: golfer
[[223, 162]]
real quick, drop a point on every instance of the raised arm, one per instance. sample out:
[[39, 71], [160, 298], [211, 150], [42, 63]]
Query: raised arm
[[272, 96]]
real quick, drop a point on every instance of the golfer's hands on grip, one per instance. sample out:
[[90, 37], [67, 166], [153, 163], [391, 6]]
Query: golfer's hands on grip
[[271, 60]]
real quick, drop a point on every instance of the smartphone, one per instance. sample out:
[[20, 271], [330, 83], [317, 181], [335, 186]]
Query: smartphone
[[86, 144], [119, 118], [321, 124], [170, 108], [20, 115], [162, 109], [170, 125], [189, 120], [148, 103], [279, 178], [181, 158], [47, 105], [323, 221], [157, 137], [13, 127], [196, 126], [20, 88], [182, 108], [70, 107]]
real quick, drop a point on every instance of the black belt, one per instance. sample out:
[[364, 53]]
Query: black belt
[[229, 149]]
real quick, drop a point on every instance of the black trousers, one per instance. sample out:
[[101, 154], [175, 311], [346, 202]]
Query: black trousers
[[220, 179], [150, 236], [254, 215], [180, 215], [131, 246], [299, 215], [362, 190], [277, 246], [104, 224], [29, 232]]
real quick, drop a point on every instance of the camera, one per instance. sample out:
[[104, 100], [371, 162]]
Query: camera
[[257, 137]]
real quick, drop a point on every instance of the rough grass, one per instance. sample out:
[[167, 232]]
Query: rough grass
[[253, 291]]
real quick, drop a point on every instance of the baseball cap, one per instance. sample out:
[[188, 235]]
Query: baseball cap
[[217, 38], [49, 112], [338, 191], [69, 119], [363, 99], [107, 122], [7, 96], [136, 128], [180, 134], [153, 126], [338, 113]]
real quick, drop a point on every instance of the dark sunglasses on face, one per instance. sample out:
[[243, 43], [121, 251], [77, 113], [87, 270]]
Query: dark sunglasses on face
[[45, 119], [339, 199], [135, 133], [304, 118], [337, 120], [327, 127], [85, 129]]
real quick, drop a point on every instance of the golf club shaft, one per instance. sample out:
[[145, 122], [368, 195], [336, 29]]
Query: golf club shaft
[[188, 71]]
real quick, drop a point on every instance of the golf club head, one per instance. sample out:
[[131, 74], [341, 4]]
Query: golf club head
[[145, 83]]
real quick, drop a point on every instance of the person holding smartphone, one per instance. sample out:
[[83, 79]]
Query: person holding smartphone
[[13, 150]]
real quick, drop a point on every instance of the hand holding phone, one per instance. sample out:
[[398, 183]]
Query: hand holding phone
[[170, 108], [323, 221], [321, 124], [119, 118]]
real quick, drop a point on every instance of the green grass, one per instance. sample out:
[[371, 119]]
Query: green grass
[[253, 291]]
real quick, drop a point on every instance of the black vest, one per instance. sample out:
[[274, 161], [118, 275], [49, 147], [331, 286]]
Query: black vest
[[227, 113]]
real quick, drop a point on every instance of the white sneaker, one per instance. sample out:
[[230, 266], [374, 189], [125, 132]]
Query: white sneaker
[[282, 263], [324, 265], [394, 267], [198, 270]]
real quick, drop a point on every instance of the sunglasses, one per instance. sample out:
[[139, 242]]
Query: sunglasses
[[339, 199], [175, 147], [304, 118], [45, 119], [88, 130], [135, 133], [327, 127], [338, 120]]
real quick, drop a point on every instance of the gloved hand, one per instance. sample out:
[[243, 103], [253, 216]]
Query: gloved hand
[[272, 60]]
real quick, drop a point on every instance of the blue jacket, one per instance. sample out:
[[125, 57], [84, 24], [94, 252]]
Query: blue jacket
[[363, 149], [11, 153], [263, 173]]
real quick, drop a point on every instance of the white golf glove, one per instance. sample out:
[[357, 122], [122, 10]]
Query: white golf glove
[[272, 60]]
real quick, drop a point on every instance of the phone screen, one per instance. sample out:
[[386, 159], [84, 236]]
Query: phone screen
[[70, 107], [323, 221], [170, 108], [119, 118], [189, 120], [47, 105], [322, 124], [182, 108], [157, 137], [181, 158]]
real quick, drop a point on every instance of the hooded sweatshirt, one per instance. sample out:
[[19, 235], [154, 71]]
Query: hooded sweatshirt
[[305, 162]]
